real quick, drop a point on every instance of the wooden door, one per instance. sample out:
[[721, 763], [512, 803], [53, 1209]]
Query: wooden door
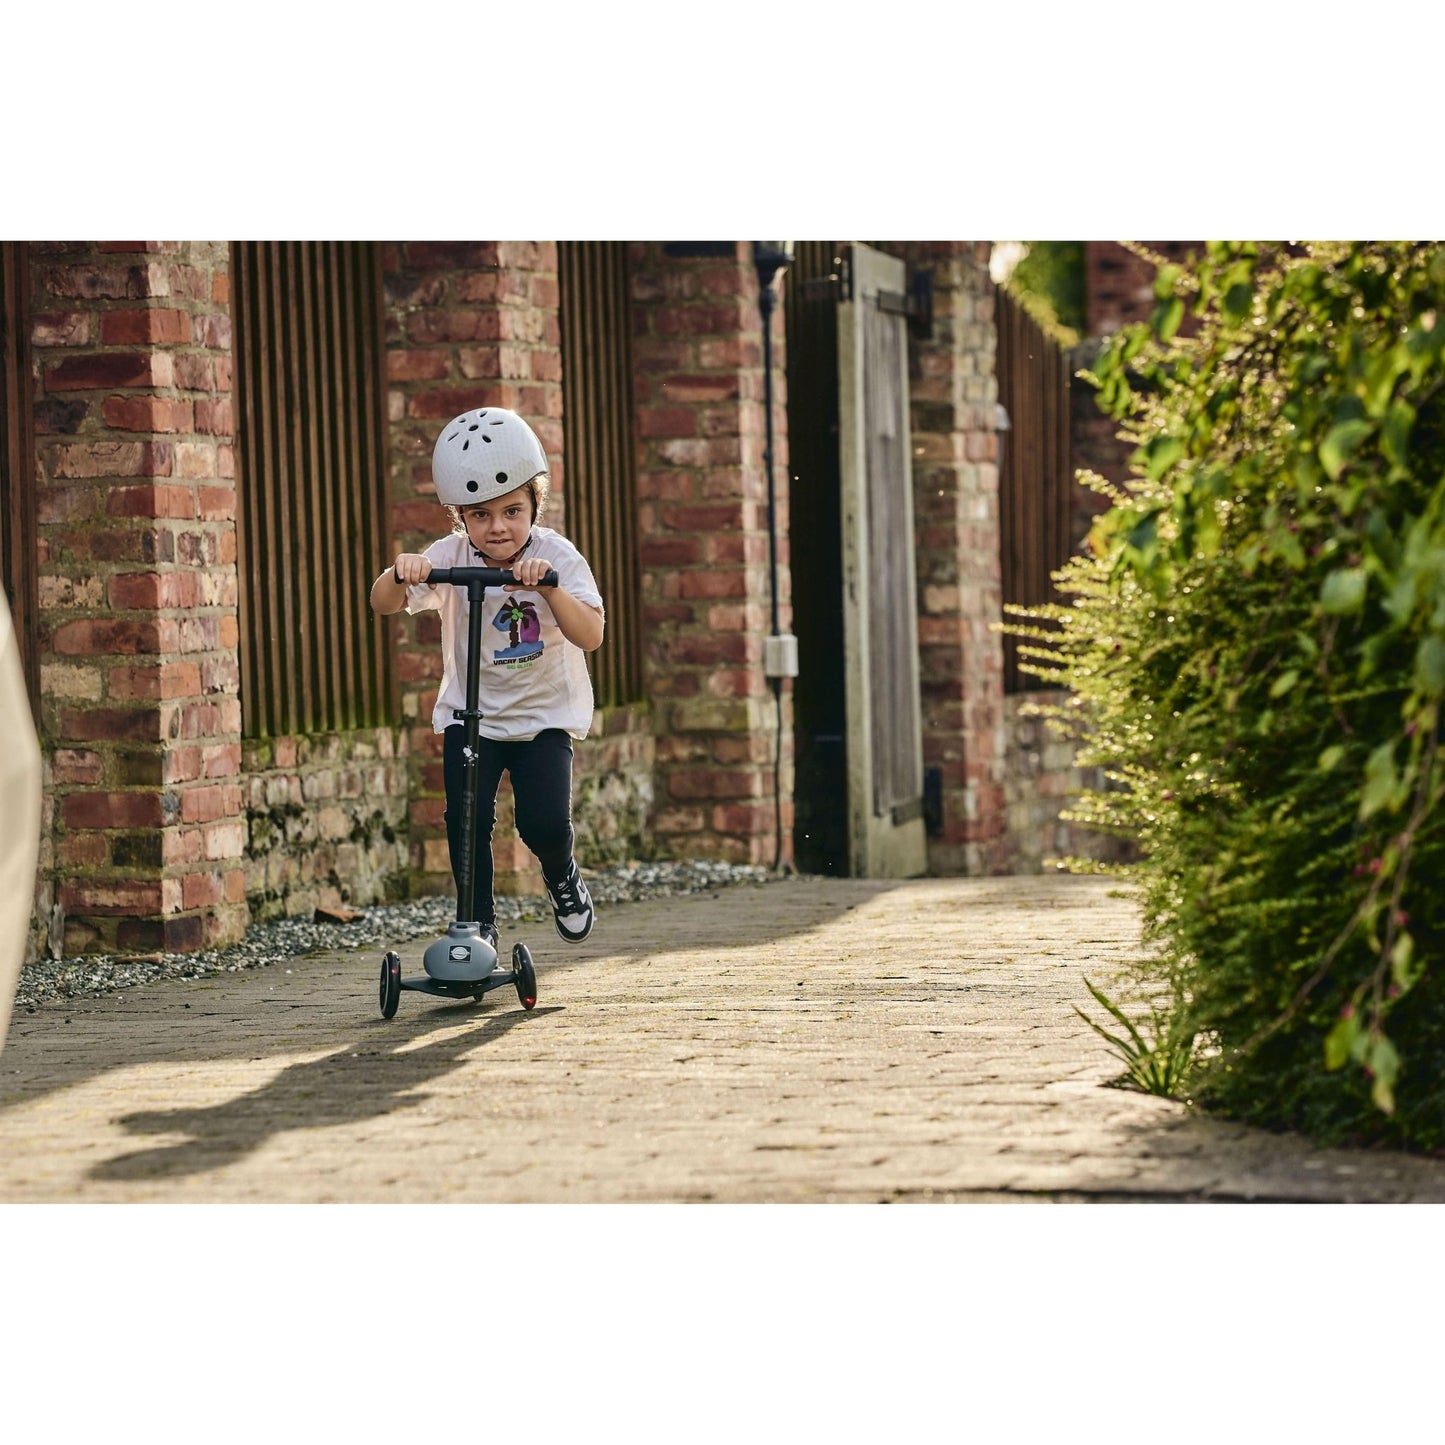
[[880, 624]]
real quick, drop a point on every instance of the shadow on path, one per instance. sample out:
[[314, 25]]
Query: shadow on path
[[343, 1088]]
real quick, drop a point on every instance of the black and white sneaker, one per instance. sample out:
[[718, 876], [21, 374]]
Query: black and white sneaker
[[571, 906], [489, 932]]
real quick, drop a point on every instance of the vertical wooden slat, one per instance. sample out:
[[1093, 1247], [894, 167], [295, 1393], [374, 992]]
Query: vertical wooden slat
[[1036, 479]]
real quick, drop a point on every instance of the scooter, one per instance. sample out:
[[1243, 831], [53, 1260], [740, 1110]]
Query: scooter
[[462, 964]]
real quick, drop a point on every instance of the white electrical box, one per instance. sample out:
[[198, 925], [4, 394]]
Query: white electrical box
[[780, 655]]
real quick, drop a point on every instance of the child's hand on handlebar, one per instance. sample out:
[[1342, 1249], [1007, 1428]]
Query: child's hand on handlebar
[[529, 573], [411, 568]]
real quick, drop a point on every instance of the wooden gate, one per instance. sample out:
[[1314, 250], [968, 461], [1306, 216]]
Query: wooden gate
[[18, 566], [595, 308], [1036, 473], [311, 463]]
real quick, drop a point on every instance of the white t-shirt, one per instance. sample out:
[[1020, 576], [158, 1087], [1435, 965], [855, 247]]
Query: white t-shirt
[[532, 678]]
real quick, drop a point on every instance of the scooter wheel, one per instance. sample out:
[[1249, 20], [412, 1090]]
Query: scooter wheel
[[390, 984], [526, 975]]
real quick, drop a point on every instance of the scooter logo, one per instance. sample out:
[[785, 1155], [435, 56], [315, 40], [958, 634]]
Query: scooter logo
[[520, 622], [461, 953]]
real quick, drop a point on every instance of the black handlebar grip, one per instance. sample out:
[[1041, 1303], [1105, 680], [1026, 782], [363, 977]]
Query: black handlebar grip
[[487, 576]]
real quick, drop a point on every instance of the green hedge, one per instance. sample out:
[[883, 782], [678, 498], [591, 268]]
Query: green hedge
[[1256, 644]]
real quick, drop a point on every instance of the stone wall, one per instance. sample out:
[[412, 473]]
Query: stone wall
[[1041, 780], [326, 820]]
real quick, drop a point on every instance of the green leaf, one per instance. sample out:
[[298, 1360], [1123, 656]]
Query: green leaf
[[1381, 780], [1159, 454], [1284, 682], [1237, 301], [1343, 591], [1395, 434], [1341, 444], [1167, 317], [1385, 1061], [1339, 1042], [1403, 967], [1330, 759], [1430, 666]]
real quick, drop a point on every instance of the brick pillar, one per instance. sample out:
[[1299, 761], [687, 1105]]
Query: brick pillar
[[469, 323], [702, 493], [955, 489], [136, 514]]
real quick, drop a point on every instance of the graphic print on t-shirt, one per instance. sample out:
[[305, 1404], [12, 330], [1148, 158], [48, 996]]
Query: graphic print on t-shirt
[[524, 631]]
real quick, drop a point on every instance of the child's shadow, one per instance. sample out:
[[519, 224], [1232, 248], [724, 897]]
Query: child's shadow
[[344, 1087]]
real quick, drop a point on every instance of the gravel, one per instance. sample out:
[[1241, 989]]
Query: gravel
[[282, 939]]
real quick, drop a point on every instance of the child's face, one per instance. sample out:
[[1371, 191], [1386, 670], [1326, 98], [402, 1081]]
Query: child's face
[[500, 526]]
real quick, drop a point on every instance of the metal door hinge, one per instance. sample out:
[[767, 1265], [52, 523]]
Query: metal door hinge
[[917, 305]]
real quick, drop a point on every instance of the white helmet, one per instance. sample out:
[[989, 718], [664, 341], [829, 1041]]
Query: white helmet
[[485, 454]]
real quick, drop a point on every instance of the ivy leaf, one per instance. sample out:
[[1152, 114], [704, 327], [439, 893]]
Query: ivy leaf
[[1341, 444], [1284, 682], [1343, 591], [1237, 300], [1329, 760], [1167, 317], [1395, 434]]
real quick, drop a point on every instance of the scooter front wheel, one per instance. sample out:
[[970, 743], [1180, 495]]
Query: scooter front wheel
[[526, 975], [390, 984]]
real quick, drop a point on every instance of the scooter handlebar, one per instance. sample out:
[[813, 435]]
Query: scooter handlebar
[[487, 576]]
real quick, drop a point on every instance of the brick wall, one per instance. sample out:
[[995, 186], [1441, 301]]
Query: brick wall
[[1119, 285], [137, 548], [955, 488], [703, 528]]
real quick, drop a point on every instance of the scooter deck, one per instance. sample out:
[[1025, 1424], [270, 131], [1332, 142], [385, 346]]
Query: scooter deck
[[456, 988]]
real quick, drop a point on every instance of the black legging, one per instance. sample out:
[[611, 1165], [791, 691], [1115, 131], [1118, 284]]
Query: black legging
[[541, 770]]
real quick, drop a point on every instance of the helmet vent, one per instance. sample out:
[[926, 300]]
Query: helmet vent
[[486, 439], [501, 476], [474, 426], [466, 443], [471, 486]]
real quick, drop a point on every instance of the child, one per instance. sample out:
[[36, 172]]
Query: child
[[491, 474]]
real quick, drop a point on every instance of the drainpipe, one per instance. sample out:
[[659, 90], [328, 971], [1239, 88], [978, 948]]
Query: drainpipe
[[780, 651]]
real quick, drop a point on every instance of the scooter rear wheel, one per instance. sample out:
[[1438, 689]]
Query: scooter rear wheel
[[526, 975], [390, 984]]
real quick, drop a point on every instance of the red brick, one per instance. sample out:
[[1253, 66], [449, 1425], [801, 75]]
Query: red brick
[[144, 324], [203, 805], [75, 765], [669, 551], [702, 518], [108, 369], [666, 421], [445, 402], [417, 365], [100, 282], [152, 501], [429, 327], [216, 504], [60, 328], [199, 890], [111, 459], [213, 417], [715, 387], [711, 584], [123, 896], [146, 413], [451, 255], [212, 330], [141, 247], [84, 850], [112, 810], [151, 683], [196, 371], [106, 637]]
